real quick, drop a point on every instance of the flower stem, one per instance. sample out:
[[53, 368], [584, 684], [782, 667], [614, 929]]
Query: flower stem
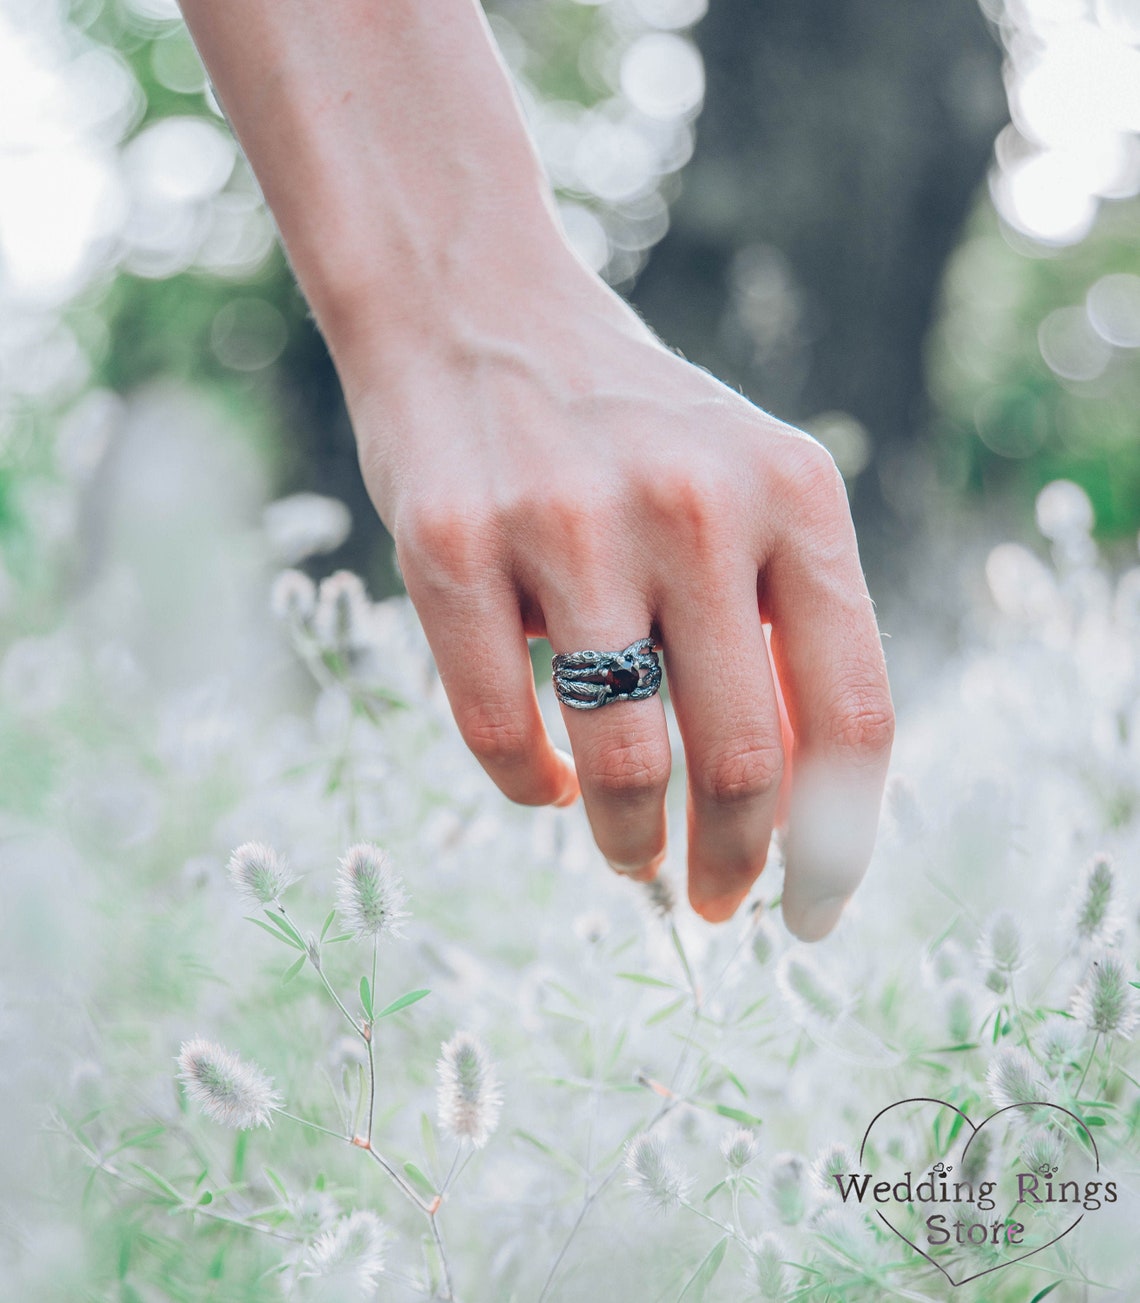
[[371, 1050], [1088, 1065]]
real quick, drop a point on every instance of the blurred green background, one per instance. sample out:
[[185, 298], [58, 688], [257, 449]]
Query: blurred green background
[[807, 199]]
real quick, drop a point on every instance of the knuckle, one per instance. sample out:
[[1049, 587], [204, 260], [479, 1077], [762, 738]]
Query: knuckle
[[444, 544], [812, 480], [863, 720], [629, 769], [748, 770], [498, 736], [686, 497]]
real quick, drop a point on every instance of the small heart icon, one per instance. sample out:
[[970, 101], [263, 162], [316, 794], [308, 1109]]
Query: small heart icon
[[981, 1205]]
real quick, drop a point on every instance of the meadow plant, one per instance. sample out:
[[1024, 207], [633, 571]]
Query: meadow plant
[[602, 1097]]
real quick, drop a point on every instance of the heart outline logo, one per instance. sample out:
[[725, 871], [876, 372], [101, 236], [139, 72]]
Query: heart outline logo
[[974, 1132]]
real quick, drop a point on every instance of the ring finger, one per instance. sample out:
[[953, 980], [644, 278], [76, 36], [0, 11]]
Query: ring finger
[[621, 750]]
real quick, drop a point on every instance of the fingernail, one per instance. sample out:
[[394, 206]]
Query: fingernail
[[817, 919]]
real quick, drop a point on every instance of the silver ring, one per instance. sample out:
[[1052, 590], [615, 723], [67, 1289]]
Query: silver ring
[[586, 680]]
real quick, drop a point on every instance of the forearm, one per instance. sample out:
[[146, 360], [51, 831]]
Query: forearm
[[388, 142]]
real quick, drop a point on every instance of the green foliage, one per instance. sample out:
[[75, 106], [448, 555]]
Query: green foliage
[[1004, 420]]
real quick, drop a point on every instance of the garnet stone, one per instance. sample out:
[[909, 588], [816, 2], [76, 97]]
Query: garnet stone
[[622, 680]]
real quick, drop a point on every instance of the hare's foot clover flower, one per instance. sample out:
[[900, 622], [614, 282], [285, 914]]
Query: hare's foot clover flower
[[1057, 1043], [739, 1148], [835, 1160], [350, 1253], [342, 608], [293, 598], [811, 993], [1106, 1000], [1095, 920], [234, 1093], [258, 873], [769, 1274], [469, 1099], [1043, 1147], [370, 895], [1013, 1077], [1001, 951], [787, 1188], [661, 897], [654, 1172]]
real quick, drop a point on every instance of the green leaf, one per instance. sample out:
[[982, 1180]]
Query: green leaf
[[427, 1138], [327, 923], [366, 998], [564, 1160], [293, 969], [719, 1186], [700, 1280], [736, 1082], [644, 979], [137, 1138], [955, 1127], [417, 1178], [1048, 1288], [160, 1181], [680, 949], [737, 1114], [344, 936], [401, 1003], [1094, 1122], [241, 1145], [273, 932], [667, 1012], [287, 928], [206, 1198]]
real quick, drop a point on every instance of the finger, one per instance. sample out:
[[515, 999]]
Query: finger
[[721, 687], [827, 652], [483, 659], [621, 750]]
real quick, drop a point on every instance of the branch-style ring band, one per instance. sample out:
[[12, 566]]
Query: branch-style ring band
[[586, 680]]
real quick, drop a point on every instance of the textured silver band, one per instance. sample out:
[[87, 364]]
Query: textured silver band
[[586, 680]]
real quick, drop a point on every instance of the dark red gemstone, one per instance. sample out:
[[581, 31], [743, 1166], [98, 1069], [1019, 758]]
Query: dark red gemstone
[[622, 680]]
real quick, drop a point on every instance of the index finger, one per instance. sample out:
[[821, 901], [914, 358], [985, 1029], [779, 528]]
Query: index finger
[[829, 660]]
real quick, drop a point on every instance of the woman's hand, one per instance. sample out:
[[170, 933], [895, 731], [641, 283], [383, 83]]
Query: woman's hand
[[547, 468]]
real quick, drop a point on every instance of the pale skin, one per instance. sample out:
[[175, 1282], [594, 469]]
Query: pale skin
[[548, 468]]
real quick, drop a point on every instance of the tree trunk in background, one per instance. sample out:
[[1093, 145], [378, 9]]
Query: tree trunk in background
[[841, 146]]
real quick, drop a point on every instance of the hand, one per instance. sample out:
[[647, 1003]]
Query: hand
[[548, 469]]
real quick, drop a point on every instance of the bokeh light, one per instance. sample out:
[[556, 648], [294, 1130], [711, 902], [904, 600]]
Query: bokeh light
[[1073, 80]]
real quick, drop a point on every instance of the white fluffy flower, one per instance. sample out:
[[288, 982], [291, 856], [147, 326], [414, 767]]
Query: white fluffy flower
[[1014, 1078], [835, 1160], [370, 895], [342, 609], [469, 1097], [293, 597], [739, 1148], [258, 873], [350, 1254], [811, 993], [1106, 1000], [234, 1093], [1094, 917], [653, 1171], [304, 525], [769, 1273]]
